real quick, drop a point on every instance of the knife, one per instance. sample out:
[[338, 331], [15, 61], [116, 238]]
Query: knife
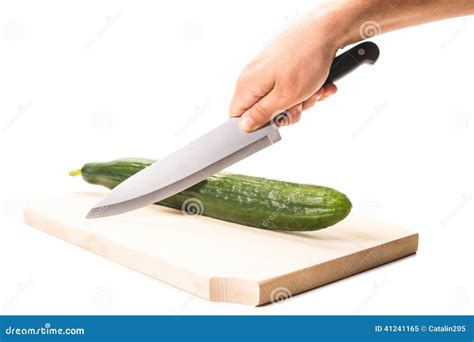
[[212, 152]]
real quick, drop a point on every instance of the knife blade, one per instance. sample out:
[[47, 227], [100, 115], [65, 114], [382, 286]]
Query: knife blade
[[210, 153]]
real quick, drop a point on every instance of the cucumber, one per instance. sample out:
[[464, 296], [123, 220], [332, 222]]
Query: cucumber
[[252, 201]]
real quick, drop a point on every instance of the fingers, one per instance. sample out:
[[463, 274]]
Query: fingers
[[322, 94], [262, 111], [311, 101], [241, 101], [249, 90], [329, 90], [263, 108], [294, 115]]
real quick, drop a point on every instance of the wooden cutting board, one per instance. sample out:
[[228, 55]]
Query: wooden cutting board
[[222, 261]]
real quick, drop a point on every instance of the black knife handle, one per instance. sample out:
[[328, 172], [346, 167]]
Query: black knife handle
[[345, 63]]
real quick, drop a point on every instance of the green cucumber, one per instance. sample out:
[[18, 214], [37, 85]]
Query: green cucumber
[[252, 201]]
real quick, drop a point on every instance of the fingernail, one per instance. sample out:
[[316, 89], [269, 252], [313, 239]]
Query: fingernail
[[246, 123]]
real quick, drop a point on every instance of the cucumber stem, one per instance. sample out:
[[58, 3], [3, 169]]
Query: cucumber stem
[[75, 172]]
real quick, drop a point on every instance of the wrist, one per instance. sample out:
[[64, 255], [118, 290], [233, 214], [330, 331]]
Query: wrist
[[342, 23]]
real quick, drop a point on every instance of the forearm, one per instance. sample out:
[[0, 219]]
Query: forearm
[[284, 75], [354, 20]]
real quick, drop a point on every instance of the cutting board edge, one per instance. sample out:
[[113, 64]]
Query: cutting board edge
[[285, 286], [272, 290]]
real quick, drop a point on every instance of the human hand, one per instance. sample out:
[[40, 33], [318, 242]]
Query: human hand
[[287, 75]]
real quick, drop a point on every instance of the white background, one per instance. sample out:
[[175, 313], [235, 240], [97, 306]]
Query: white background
[[93, 81]]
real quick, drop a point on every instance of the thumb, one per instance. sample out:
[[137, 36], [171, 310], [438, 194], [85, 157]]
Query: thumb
[[263, 111], [250, 88]]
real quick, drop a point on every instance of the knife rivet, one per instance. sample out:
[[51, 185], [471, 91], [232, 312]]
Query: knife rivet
[[361, 52]]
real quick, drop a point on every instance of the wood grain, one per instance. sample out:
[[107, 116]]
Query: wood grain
[[222, 261]]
